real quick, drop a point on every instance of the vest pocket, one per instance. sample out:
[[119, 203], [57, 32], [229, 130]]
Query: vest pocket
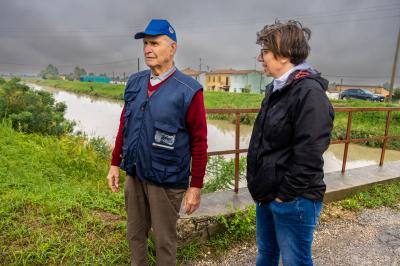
[[165, 174], [164, 136]]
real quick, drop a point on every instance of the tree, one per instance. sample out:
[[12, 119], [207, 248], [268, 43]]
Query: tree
[[386, 85], [50, 72], [247, 89], [396, 93], [78, 72], [70, 77]]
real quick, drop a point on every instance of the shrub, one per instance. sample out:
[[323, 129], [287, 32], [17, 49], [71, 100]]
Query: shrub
[[33, 111]]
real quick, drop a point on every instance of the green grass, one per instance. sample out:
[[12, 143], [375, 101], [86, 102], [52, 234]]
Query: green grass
[[367, 124], [111, 91], [55, 206], [379, 195], [239, 227]]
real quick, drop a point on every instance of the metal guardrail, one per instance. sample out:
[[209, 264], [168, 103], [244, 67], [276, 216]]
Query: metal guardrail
[[350, 110]]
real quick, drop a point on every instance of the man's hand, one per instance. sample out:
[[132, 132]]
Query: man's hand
[[113, 178], [191, 201]]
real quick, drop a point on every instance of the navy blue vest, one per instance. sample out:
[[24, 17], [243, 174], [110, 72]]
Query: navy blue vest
[[156, 140]]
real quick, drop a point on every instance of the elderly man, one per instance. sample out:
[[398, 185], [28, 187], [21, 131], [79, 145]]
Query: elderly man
[[162, 131]]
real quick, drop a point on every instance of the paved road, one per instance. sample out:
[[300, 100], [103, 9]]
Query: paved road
[[370, 237]]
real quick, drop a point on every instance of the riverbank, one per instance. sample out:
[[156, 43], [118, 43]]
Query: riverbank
[[112, 91], [364, 124]]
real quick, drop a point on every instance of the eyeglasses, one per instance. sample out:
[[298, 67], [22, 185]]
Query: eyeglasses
[[264, 51]]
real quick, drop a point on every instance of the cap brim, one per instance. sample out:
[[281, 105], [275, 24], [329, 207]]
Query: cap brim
[[141, 35]]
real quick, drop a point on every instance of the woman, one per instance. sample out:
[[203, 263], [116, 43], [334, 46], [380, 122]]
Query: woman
[[291, 132]]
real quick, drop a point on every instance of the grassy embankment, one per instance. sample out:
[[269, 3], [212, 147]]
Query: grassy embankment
[[364, 125], [55, 207]]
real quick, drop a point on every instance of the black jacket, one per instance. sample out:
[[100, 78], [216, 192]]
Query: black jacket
[[290, 134]]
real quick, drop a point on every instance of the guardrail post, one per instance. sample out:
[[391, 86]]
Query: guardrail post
[[385, 140], [348, 138], [237, 146]]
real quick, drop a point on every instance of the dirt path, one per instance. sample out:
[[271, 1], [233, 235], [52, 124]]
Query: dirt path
[[370, 237]]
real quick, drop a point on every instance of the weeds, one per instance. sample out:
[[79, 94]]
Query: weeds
[[220, 173]]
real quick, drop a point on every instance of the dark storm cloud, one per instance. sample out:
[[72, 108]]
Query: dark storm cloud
[[354, 40]]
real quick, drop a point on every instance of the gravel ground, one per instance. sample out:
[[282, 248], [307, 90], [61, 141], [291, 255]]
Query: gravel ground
[[370, 237]]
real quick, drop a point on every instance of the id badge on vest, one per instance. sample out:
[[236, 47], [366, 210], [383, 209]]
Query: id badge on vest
[[164, 140]]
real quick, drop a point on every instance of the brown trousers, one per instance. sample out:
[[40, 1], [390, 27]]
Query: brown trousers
[[149, 206]]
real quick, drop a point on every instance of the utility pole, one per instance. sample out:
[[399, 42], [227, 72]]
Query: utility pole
[[200, 65], [138, 65], [396, 56], [124, 76]]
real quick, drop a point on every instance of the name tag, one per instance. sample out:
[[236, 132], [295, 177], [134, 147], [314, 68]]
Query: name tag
[[164, 140]]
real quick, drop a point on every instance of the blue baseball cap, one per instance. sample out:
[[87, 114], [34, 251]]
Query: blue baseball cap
[[158, 27]]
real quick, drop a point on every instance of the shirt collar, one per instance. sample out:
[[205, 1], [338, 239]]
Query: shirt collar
[[280, 82], [157, 79]]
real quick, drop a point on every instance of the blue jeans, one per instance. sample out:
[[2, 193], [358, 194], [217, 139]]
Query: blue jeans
[[286, 228]]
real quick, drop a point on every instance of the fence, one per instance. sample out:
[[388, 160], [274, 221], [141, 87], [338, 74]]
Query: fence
[[347, 140]]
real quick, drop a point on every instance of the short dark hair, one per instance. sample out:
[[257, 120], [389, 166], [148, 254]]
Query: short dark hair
[[289, 40]]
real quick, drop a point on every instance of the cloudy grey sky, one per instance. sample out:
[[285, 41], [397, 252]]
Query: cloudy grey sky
[[353, 40]]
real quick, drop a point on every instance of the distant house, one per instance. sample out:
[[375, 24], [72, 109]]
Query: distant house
[[97, 79], [191, 72], [197, 75], [251, 80], [219, 80], [236, 80], [374, 89]]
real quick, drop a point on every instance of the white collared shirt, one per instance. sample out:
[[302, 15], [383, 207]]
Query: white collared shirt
[[154, 80]]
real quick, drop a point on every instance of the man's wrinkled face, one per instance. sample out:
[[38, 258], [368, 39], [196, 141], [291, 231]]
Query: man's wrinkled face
[[158, 51]]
